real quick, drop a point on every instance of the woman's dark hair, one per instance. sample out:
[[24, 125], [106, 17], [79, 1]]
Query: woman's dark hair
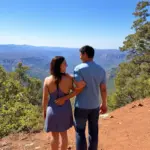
[[55, 68]]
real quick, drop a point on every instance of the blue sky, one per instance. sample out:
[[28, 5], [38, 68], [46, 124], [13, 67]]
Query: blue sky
[[68, 23]]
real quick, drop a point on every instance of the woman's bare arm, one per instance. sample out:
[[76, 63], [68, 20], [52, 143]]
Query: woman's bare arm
[[45, 98]]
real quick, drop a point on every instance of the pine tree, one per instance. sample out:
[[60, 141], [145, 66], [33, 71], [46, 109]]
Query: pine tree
[[133, 78]]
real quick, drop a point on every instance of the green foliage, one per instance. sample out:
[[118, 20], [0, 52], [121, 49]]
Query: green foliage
[[133, 78], [111, 74], [20, 97]]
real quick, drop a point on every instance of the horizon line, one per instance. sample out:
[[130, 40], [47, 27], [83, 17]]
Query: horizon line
[[58, 46]]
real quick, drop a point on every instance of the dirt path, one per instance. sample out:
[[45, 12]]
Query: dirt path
[[127, 128]]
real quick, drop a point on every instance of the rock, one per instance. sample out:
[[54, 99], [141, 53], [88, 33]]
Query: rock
[[111, 116], [104, 116], [4, 144], [23, 138], [133, 106], [119, 123], [37, 147], [6, 148], [141, 105], [28, 145], [69, 147]]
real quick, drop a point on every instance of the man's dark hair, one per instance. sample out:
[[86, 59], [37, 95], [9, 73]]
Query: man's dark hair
[[88, 50]]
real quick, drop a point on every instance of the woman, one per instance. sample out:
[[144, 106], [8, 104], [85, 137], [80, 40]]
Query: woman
[[58, 115]]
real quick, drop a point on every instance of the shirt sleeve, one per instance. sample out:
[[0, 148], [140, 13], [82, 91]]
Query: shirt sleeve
[[103, 81], [77, 75]]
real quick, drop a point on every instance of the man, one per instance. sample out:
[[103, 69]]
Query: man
[[91, 78], [87, 103]]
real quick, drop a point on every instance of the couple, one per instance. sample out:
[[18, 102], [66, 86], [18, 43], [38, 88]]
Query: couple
[[88, 83]]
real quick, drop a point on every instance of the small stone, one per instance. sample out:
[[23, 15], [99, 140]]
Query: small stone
[[28, 145], [6, 148], [37, 147], [133, 106], [69, 147], [4, 144], [23, 138], [111, 116], [140, 105], [104, 116]]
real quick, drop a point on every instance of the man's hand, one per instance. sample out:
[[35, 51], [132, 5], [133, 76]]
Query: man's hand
[[103, 108], [60, 101]]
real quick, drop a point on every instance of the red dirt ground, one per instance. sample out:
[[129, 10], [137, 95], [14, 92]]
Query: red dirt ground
[[127, 128]]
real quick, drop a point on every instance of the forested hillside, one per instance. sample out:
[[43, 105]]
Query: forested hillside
[[20, 101]]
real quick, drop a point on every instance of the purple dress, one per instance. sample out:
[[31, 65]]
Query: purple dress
[[58, 118]]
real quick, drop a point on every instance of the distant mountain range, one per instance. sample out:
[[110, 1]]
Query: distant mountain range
[[38, 58]]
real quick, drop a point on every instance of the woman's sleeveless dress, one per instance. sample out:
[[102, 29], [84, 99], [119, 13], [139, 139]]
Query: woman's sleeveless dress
[[58, 118]]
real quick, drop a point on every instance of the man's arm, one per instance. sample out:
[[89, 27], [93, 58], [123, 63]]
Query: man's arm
[[79, 86], [103, 91]]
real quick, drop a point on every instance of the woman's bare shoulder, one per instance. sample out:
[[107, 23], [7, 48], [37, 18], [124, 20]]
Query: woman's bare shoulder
[[69, 76], [49, 79]]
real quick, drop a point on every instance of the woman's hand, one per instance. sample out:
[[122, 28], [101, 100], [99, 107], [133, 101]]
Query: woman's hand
[[60, 101]]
